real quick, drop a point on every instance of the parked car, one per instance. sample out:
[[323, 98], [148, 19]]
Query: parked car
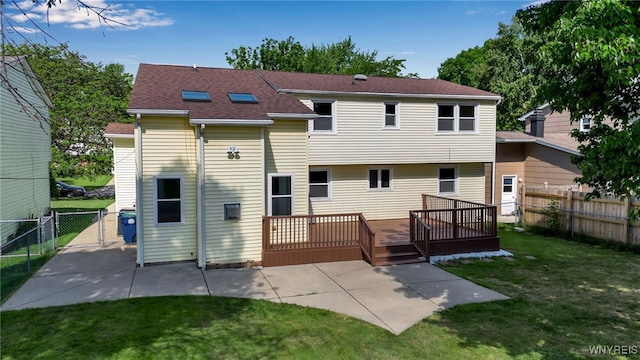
[[70, 190]]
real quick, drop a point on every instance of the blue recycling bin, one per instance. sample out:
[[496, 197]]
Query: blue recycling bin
[[128, 225]]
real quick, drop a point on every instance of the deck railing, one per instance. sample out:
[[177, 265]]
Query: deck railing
[[419, 233], [461, 223], [314, 232], [430, 202]]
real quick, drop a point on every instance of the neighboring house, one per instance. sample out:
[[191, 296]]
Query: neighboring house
[[218, 149], [25, 144], [124, 164], [541, 155]]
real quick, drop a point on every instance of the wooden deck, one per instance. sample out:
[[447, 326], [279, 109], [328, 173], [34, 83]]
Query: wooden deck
[[445, 226]]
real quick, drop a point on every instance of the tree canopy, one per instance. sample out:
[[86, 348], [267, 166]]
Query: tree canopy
[[86, 96], [589, 52], [338, 58], [501, 65]]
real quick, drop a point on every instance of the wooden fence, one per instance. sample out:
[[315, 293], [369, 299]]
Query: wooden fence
[[604, 218]]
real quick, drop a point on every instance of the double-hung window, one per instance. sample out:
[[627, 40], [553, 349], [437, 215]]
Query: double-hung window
[[280, 194], [169, 199], [391, 115], [325, 122], [319, 182], [585, 124], [379, 179], [457, 118], [447, 180]]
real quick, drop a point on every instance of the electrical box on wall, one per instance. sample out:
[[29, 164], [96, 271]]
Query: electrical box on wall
[[232, 211]]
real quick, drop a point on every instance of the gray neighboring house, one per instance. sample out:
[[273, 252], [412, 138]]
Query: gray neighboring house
[[25, 144]]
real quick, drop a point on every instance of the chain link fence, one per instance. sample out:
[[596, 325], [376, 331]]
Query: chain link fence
[[27, 244]]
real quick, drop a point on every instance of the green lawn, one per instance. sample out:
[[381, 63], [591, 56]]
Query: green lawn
[[80, 204], [88, 183], [567, 296]]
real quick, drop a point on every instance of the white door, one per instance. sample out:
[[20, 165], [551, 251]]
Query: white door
[[508, 194]]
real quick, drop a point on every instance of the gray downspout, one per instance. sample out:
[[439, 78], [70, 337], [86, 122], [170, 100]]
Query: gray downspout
[[200, 202], [139, 203]]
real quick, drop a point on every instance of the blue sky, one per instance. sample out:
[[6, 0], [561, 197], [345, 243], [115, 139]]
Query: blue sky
[[425, 33]]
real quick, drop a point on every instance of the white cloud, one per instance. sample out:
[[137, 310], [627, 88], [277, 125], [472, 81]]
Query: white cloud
[[75, 15], [485, 10]]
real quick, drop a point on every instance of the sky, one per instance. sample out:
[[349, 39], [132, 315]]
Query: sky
[[425, 33]]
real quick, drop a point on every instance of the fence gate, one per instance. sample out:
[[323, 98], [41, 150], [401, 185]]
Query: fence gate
[[87, 228]]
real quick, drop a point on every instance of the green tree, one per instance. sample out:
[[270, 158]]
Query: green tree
[[501, 65], [338, 58], [86, 96], [590, 53]]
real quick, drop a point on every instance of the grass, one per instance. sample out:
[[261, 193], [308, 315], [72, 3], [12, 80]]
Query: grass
[[567, 296], [88, 183], [79, 204]]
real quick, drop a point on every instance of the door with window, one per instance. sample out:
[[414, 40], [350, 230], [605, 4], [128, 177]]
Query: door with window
[[280, 194], [508, 194]]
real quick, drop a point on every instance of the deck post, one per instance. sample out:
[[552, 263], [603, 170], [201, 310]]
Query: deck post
[[454, 221]]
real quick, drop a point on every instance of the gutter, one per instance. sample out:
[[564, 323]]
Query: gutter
[[119, 136], [394, 95], [161, 112], [139, 205], [231, 122], [293, 116]]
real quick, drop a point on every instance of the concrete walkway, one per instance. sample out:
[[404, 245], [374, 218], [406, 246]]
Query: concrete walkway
[[393, 297]]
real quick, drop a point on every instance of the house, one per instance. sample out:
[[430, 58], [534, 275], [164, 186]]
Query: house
[[124, 164], [25, 144], [219, 150], [539, 156]]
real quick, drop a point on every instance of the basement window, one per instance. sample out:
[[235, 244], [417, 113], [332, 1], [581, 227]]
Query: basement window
[[245, 98]]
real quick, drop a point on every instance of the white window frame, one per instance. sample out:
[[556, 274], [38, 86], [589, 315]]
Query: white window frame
[[329, 178], [379, 183], [582, 123], [396, 124], [156, 200], [456, 118], [455, 179], [270, 192], [334, 122]]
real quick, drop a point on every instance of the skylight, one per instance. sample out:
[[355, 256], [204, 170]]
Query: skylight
[[195, 95], [242, 98]]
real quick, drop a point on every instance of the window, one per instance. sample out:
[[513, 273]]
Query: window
[[325, 122], [319, 181], [168, 199], [242, 98], [280, 194], [195, 96], [447, 180], [379, 178], [390, 115], [585, 123], [456, 118]]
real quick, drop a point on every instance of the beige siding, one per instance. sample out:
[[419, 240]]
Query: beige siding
[[544, 164], [25, 153], [169, 148], [286, 152], [350, 192], [510, 160], [360, 135], [124, 169], [230, 179]]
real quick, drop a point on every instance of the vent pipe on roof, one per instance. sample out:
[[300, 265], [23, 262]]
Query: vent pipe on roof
[[195, 68], [358, 77]]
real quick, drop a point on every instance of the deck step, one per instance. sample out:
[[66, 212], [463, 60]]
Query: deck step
[[397, 254]]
